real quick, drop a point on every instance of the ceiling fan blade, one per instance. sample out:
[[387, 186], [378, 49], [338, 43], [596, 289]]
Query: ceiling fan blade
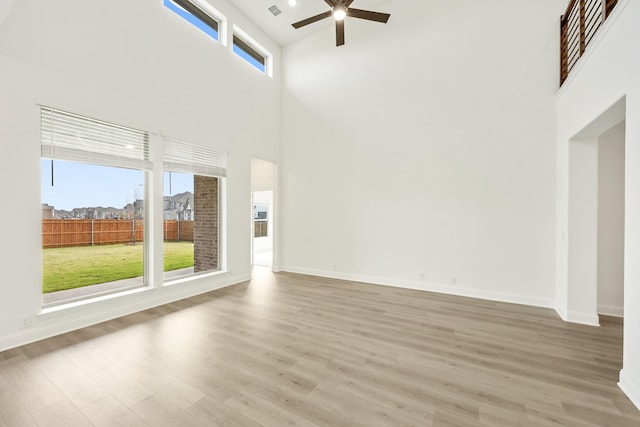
[[311, 20], [347, 3], [331, 2], [339, 33], [368, 15]]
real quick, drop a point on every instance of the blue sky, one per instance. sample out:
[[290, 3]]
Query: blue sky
[[78, 185]]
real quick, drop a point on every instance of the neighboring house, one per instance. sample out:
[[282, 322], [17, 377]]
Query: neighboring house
[[134, 210], [62, 214], [48, 212], [178, 207], [81, 213], [130, 211]]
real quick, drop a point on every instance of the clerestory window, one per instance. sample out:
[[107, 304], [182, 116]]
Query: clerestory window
[[198, 13], [249, 50]]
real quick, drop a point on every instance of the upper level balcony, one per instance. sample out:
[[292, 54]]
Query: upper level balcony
[[578, 26]]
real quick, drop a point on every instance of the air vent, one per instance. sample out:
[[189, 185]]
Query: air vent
[[274, 9]]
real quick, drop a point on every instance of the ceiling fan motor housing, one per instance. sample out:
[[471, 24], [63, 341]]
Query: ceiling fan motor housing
[[339, 10]]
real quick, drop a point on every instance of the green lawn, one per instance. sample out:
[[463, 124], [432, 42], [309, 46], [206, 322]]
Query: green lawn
[[68, 268]]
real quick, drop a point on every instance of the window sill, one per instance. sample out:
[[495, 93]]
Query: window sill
[[192, 277], [60, 309], [90, 300]]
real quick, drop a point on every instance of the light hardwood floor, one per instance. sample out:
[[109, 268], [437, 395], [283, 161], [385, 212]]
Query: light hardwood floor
[[292, 350]]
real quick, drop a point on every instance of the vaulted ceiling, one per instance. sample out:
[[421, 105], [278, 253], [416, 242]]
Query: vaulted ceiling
[[279, 27]]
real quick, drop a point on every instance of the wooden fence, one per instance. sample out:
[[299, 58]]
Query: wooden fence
[[58, 233], [178, 231], [577, 27]]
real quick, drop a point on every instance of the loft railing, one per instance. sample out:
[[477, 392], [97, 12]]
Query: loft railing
[[578, 26]]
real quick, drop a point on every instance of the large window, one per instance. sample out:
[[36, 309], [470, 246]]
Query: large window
[[98, 221], [193, 177], [93, 206]]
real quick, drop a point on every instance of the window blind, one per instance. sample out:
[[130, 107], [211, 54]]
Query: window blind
[[69, 136], [184, 157]]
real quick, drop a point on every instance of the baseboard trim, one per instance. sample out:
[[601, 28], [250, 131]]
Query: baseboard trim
[[428, 287], [610, 310], [50, 324], [562, 313], [629, 388], [588, 319]]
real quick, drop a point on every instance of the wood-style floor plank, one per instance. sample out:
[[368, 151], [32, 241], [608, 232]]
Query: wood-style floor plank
[[294, 350], [61, 413]]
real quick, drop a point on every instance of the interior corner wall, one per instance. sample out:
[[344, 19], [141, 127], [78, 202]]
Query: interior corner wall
[[134, 63], [421, 153], [583, 230], [611, 222], [607, 75]]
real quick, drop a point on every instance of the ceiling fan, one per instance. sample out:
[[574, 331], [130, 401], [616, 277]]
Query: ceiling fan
[[340, 9]]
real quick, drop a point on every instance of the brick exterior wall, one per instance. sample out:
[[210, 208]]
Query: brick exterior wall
[[205, 227]]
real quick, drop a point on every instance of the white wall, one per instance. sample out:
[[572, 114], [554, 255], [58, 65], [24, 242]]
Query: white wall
[[262, 175], [5, 8], [610, 72], [611, 221], [134, 63], [421, 153]]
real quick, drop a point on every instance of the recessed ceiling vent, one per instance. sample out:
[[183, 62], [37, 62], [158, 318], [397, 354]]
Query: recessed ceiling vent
[[274, 9]]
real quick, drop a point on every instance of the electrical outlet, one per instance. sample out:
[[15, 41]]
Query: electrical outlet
[[422, 276], [454, 280], [26, 322]]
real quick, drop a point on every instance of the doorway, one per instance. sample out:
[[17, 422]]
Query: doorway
[[596, 219], [263, 223], [263, 228]]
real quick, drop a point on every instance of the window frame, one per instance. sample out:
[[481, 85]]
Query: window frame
[[152, 278], [55, 123], [252, 49], [184, 157], [200, 13]]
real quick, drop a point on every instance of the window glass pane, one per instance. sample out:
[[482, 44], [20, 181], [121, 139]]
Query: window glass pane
[[248, 54], [210, 28], [190, 213], [92, 229]]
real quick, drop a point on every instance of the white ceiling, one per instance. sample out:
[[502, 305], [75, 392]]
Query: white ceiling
[[279, 27], [5, 7]]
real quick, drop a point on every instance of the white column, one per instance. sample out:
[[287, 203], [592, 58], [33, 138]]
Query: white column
[[154, 236]]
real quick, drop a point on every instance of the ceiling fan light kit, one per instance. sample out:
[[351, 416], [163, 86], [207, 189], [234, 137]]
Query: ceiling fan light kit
[[339, 10]]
